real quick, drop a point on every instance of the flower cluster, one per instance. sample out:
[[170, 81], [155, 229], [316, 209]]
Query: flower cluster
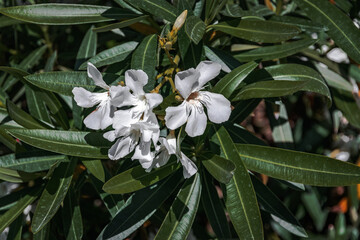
[[129, 110]]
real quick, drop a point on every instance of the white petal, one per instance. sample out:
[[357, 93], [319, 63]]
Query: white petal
[[169, 143], [99, 118], [121, 148], [187, 81], [208, 70], [196, 123], [142, 151], [124, 118], [218, 107], [146, 135], [136, 80], [111, 135], [83, 97], [121, 96], [189, 167], [94, 73], [176, 116], [153, 99]]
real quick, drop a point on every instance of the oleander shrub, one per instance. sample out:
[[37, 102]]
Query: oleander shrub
[[183, 119]]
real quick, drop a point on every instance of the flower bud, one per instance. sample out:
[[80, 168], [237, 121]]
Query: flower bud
[[180, 20]]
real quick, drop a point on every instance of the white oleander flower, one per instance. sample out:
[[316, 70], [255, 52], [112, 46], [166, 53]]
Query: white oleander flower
[[167, 148], [191, 110], [137, 136], [142, 103], [101, 117]]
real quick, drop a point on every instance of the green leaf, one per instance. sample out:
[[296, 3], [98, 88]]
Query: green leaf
[[214, 208], [195, 28], [9, 216], [273, 205], [274, 52], [258, 30], [158, 8], [23, 118], [137, 178], [35, 103], [96, 168], [31, 161], [346, 102], [64, 14], [145, 58], [282, 80], [87, 48], [53, 195], [303, 24], [71, 215], [140, 207], [240, 197], [43, 234], [178, 221], [112, 55], [15, 229], [121, 24], [227, 85], [313, 207], [80, 144], [7, 21], [334, 80], [298, 167], [61, 82], [17, 72], [226, 61], [220, 168], [243, 109], [113, 202], [50, 62], [193, 56], [341, 28]]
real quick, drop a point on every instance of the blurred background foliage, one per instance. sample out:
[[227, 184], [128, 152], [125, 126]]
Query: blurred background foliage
[[325, 213]]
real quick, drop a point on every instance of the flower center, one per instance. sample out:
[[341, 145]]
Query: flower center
[[193, 97]]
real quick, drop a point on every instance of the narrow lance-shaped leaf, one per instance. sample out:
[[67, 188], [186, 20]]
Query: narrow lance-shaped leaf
[[61, 82], [95, 167], [227, 85], [240, 197], [31, 161], [71, 215], [140, 207], [81, 144], [214, 208], [35, 104], [15, 229], [121, 24], [258, 30], [286, 79], [113, 202], [178, 221], [137, 178], [112, 55], [65, 14], [273, 205], [299, 167], [220, 168], [87, 47], [53, 195], [275, 52], [9, 216], [341, 28], [194, 28], [23, 118], [159, 8], [144, 58]]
